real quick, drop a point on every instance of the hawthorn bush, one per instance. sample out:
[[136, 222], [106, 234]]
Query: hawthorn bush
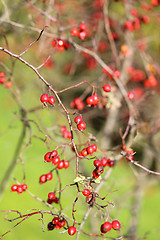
[[79, 119]]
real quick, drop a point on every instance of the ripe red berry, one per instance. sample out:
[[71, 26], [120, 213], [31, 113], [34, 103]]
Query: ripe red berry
[[66, 164], [20, 189], [74, 32], [90, 150], [43, 178], [86, 192], [95, 99], [54, 153], [47, 157], [131, 95], [84, 152], [107, 88], [82, 35], [14, 187], [8, 84], [55, 160], [2, 74], [71, 230], [24, 186], [82, 26], [116, 225], [90, 101], [44, 98], [106, 227], [78, 119], [51, 100], [55, 220], [116, 74], [97, 163], [95, 175], [51, 195], [49, 176], [94, 146], [104, 161], [81, 126], [60, 165], [2, 80], [62, 222]]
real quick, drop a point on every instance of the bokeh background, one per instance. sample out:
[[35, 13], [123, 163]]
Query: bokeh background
[[135, 193]]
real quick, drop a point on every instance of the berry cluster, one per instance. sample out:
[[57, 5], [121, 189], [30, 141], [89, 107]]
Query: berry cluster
[[77, 103], [8, 84], [80, 123], [88, 151], [52, 157], [57, 223], [92, 100], [19, 188], [81, 32], [52, 198], [46, 99], [66, 133], [60, 44], [129, 154], [107, 226], [100, 164], [45, 177]]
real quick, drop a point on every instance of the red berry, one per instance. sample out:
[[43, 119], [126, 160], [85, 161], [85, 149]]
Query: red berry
[[47, 157], [54, 153], [97, 163], [82, 35], [55, 160], [84, 152], [82, 26], [60, 165], [43, 178], [63, 128], [51, 195], [81, 126], [20, 189], [55, 220], [94, 146], [90, 150], [66, 164], [14, 187], [2, 80], [62, 222], [131, 95], [2, 74], [74, 32], [104, 161], [86, 192], [107, 88], [78, 119], [24, 186], [58, 226], [106, 227], [44, 98], [51, 100], [116, 225], [129, 26], [49, 176], [95, 99], [90, 100], [8, 84], [95, 175], [116, 74], [71, 230]]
